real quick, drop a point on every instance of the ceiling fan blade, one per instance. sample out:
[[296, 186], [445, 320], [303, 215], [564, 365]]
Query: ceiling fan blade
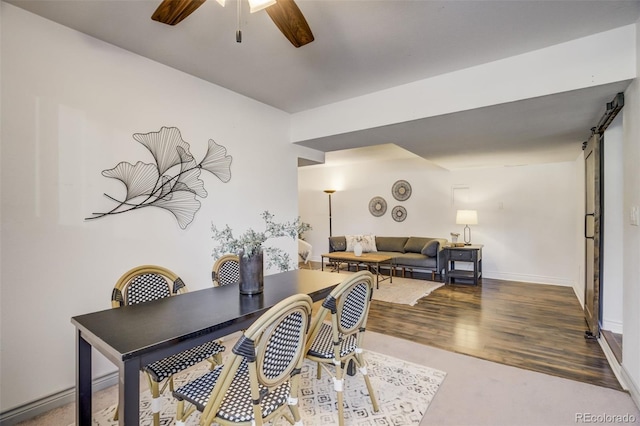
[[171, 12], [288, 18]]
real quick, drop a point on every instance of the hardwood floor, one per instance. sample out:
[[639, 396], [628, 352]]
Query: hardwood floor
[[531, 326]]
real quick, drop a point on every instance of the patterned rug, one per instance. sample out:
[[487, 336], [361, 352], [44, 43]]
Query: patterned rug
[[404, 392]]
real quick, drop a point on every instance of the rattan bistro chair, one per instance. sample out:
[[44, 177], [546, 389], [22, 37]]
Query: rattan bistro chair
[[338, 342], [146, 283], [226, 270], [259, 381]]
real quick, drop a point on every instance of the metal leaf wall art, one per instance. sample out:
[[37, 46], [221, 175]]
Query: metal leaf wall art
[[173, 182]]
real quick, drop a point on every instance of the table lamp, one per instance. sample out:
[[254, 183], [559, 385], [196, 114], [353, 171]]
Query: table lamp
[[467, 217]]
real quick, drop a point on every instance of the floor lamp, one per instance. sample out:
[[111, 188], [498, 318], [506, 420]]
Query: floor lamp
[[330, 191]]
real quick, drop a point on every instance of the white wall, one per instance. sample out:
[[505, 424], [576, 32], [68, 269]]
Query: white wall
[[70, 105], [631, 234], [613, 224], [527, 215]]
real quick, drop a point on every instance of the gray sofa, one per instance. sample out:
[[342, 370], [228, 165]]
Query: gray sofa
[[409, 253]]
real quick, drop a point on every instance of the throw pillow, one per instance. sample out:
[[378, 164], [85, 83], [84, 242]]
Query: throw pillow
[[391, 243], [431, 248], [337, 244], [368, 242], [415, 244], [351, 241]]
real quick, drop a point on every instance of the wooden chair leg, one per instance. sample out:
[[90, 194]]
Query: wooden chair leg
[[155, 402], [339, 388], [374, 401], [293, 404], [183, 413], [180, 412]]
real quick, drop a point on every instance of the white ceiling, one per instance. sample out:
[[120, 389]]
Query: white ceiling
[[538, 130], [363, 46]]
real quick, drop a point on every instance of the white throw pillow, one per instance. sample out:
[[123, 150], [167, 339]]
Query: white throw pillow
[[368, 242], [351, 241]]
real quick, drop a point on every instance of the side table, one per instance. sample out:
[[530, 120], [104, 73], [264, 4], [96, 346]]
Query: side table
[[471, 254]]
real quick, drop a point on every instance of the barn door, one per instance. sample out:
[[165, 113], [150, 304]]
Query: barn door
[[592, 158]]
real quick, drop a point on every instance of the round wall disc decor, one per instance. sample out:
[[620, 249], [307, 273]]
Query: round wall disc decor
[[399, 213], [401, 190], [377, 206]]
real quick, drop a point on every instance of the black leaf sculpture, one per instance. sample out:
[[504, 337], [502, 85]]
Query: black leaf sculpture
[[173, 182]]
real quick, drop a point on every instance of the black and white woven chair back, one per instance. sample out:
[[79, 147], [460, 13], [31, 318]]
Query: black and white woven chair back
[[283, 348], [226, 270], [229, 273], [144, 284], [353, 306], [145, 288]]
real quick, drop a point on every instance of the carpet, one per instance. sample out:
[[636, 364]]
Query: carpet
[[404, 391], [405, 291]]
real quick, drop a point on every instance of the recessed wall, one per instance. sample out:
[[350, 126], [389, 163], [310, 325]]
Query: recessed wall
[[527, 215]]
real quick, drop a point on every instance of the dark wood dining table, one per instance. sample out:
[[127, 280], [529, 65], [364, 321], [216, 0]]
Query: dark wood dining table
[[136, 335]]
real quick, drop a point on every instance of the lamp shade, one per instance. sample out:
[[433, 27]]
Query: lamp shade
[[467, 217]]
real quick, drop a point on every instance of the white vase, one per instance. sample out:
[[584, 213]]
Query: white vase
[[357, 249]]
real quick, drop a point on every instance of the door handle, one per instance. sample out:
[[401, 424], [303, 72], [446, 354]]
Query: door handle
[[585, 225]]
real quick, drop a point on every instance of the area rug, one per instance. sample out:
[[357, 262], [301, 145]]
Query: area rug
[[404, 391], [405, 291]]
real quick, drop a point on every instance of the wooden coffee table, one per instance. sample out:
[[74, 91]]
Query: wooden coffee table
[[370, 260]]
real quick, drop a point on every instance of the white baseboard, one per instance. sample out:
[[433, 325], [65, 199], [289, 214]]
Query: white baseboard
[[510, 276], [59, 399], [613, 362], [527, 278], [612, 326], [579, 292]]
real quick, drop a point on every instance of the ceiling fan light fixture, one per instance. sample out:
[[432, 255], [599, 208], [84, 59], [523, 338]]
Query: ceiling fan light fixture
[[285, 14], [256, 5]]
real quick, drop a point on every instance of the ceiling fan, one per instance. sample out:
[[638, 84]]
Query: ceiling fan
[[284, 13]]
